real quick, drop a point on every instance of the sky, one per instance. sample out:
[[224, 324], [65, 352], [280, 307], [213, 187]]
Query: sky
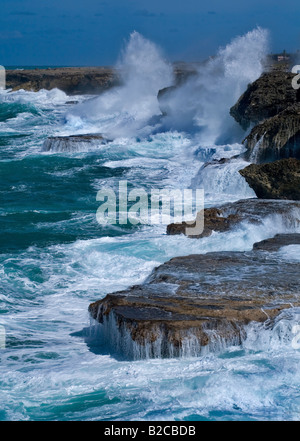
[[92, 32]]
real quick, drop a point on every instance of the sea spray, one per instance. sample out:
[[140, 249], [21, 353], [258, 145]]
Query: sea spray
[[203, 102], [125, 110]]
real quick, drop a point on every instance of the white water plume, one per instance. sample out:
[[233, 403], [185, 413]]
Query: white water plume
[[125, 109], [203, 102]]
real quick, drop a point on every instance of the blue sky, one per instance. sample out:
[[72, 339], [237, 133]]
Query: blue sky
[[91, 32]]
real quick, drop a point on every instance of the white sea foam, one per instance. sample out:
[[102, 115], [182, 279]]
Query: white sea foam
[[290, 252], [41, 98]]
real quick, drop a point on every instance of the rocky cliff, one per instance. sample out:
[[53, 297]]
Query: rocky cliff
[[275, 180], [272, 107]]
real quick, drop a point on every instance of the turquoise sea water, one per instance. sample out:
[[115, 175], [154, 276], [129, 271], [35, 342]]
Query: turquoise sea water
[[55, 259]]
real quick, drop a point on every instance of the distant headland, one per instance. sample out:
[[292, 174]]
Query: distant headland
[[94, 80]]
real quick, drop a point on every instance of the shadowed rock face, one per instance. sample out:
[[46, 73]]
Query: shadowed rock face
[[275, 138], [272, 105], [275, 180], [230, 215], [198, 301]]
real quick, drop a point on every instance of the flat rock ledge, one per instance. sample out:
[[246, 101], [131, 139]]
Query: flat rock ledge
[[71, 80], [73, 143], [195, 304]]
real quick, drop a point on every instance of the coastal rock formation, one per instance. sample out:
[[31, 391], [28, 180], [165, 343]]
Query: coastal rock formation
[[77, 80], [275, 180], [272, 105], [71, 80], [197, 303], [275, 138], [278, 241], [266, 97], [230, 215], [73, 143]]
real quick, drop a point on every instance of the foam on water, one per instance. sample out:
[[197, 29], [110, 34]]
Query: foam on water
[[290, 252]]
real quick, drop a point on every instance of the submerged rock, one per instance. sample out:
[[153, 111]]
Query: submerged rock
[[230, 215], [73, 143], [197, 303], [275, 180]]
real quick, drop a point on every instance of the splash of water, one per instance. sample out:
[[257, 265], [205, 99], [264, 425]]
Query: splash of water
[[126, 109], [202, 103]]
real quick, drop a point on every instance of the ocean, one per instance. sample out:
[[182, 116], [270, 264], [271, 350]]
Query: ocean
[[55, 258]]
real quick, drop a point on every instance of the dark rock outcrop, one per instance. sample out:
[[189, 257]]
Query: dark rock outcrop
[[272, 105], [266, 97], [197, 302], [275, 138], [275, 180], [278, 241], [230, 215]]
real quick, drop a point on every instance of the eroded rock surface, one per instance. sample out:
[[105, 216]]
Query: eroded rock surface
[[198, 302], [266, 97], [272, 106], [275, 180], [275, 138]]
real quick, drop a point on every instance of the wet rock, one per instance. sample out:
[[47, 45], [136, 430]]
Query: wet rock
[[275, 138], [275, 180], [196, 303], [264, 98], [230, 215], [278, 241], [272, 107], [73, 143]]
